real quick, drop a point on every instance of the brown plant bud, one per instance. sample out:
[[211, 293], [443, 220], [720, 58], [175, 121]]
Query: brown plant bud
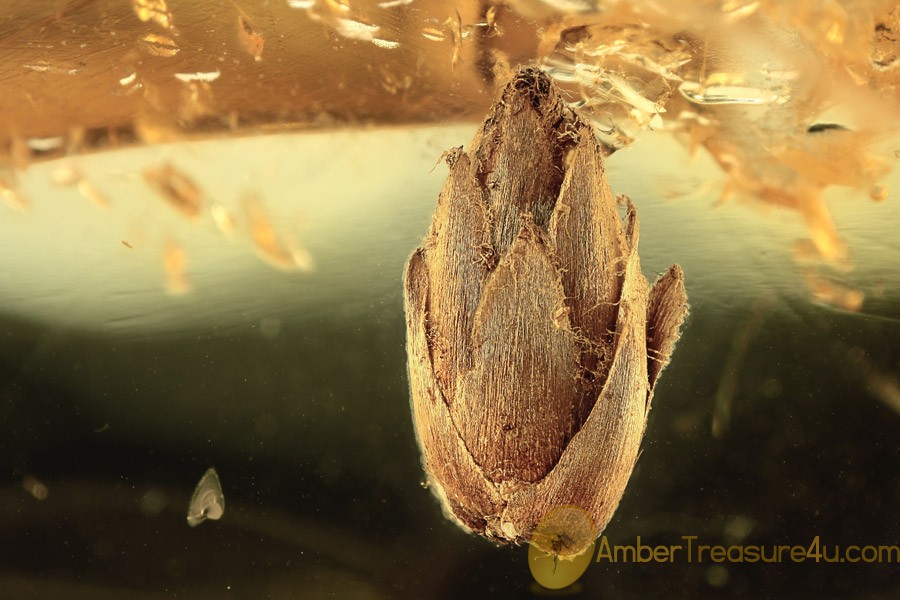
[[534, 341]]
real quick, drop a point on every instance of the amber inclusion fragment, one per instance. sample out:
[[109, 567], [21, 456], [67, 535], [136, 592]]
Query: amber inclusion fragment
[[249, 35], [208, 501]]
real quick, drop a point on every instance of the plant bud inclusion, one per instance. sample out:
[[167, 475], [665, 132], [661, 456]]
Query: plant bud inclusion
[[533, 339]]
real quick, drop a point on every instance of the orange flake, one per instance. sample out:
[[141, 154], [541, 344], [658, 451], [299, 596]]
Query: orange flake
[[177, 188], [175, 263], [269, 243]]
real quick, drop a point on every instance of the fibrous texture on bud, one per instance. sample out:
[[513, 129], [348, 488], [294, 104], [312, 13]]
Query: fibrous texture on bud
[[534, 340]]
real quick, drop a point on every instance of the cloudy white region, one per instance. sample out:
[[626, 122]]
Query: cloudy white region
[[205, 77], [394, 3], [355, 30], [387, 44]]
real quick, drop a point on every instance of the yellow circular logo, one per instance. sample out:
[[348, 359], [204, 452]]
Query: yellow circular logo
[[561, 548]]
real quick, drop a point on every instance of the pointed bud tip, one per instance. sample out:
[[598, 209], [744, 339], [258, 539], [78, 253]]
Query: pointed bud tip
[[533, 84], [532, 87]]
